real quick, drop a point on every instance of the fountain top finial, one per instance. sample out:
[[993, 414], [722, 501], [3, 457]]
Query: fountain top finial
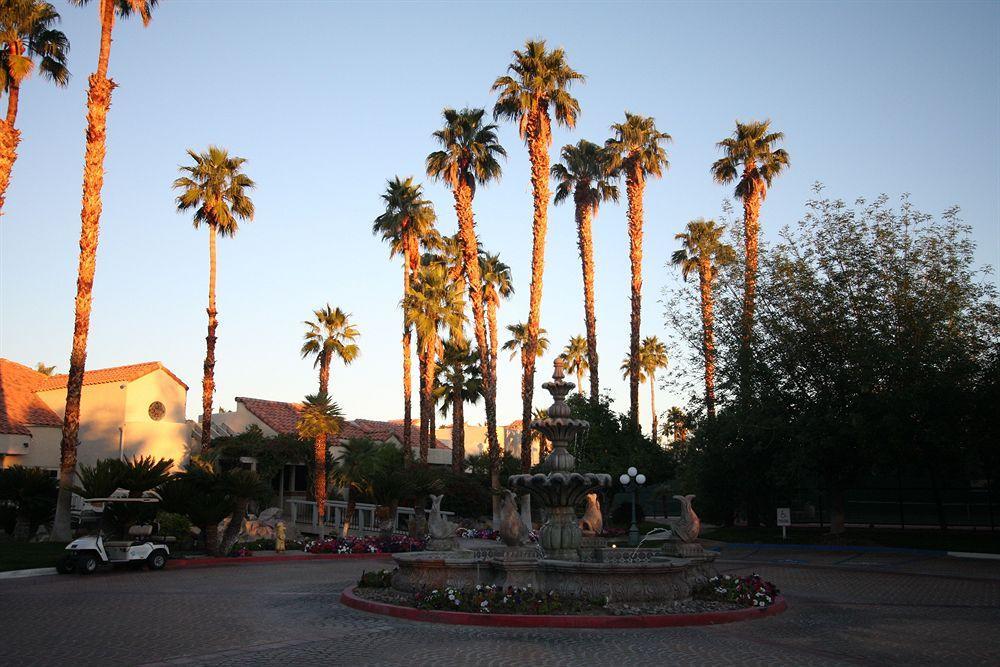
[[559, 388]]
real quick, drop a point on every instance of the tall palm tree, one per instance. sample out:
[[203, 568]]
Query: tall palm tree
[[638, 148], [26, 35], [331, 333], [217, 189], [587, 172], [98, 104], [575, 354], [703, 250], [469, 157], [752, 161], [518, 341], [407, 224], [652, 357], [434, 303], [497, 284], [319, 419], [352, 471], [676, 427], [459, 382], [537, 84]]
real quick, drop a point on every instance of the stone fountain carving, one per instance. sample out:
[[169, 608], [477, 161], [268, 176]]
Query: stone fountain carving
[[592, 523], [685, 532], [513, 532], [441, 530], [560, 488]]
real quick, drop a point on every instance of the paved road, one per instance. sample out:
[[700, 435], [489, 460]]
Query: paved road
[[845, 609]]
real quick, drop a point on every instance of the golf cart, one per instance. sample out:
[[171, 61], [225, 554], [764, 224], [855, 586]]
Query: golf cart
[[86, 554]]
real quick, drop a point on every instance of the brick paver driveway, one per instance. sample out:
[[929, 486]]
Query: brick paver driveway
[[845, 609]]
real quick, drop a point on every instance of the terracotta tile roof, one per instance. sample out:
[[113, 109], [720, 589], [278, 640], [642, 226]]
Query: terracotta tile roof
[[107, 375], [19, 406], [282, 417]]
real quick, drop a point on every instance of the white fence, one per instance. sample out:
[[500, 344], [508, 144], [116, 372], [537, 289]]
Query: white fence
[[304, 515]]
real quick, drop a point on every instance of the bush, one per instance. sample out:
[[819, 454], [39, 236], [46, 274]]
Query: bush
[[376, 579], [174, 525]]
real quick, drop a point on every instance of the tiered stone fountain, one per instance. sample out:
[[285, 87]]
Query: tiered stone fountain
[[561, 561]]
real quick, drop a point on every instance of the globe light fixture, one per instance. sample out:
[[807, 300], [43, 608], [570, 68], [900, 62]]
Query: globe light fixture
[[632, 480]]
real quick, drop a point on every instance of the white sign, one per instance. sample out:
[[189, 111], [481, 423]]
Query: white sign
[[784, 516]]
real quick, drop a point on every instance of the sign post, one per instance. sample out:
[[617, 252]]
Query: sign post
[[784, 520]]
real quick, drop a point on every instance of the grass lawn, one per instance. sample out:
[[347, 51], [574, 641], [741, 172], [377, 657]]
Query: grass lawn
[[944, 540], [26, 555]]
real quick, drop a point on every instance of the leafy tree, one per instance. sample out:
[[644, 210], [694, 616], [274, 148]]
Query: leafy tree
[[216, 188], [537, 85], [353, 471], [32, 493], [406, 225], [587, 172], [752, 161], [27, 35], [637, 147], [703, 251], [98, 104]]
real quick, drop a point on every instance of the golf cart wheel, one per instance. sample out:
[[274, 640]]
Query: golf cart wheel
[[156, 560], [66, 565], [86, 563]]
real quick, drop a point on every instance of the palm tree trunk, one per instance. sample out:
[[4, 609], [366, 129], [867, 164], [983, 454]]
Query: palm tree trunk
[[407, 363], [635, 185], [652, 405], [326, 357], [208, 380], [319, 487], [585, 241], [457, 427], [537, 134], [708, 334], [470, 256], [98, 104], [232, 532], [751, 232], [352, 503], [422, 399], [211, 533], [430, 369], [10, 137]]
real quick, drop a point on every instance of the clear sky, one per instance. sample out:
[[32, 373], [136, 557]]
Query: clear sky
[[327, 100]]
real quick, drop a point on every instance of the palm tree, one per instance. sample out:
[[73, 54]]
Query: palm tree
[[407, 224], [40, 367], [497, 284], [518, 342], [98, 104], [575, 355], [752, 161], [331, 333], [459, 382], [433, 303], [652, 357], [26, 35], [638, 149], [353, 471], [469, 156], [702, 250], [216, 188], [537, 84], [586, 172], [319, 418]]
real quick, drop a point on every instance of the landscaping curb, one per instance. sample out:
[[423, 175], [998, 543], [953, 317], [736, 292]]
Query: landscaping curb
[[32, 572], [348, 598], [833, 548]]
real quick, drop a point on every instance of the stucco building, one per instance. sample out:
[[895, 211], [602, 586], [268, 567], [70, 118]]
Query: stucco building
[[125, 411]]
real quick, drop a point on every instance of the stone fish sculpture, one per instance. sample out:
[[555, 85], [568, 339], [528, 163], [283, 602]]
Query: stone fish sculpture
[[688, 527], [441, 530], [513, 533], [592, 522]]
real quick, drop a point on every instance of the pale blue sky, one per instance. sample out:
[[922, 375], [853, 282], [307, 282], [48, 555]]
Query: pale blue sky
[[327, 100]]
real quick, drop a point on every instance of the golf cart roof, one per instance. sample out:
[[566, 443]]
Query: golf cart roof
[[122, 500]]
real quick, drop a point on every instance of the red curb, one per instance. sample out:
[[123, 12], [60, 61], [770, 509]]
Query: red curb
[[349, 599], [263, 560]]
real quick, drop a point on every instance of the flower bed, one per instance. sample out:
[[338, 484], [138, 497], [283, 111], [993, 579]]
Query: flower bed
[[486, 534], [509, 600], [750, 591], [366, 545]]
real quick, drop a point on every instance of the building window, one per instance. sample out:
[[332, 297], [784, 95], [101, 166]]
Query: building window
[[156, 411]]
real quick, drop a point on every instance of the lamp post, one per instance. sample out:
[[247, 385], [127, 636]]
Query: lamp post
[[631, 481]]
